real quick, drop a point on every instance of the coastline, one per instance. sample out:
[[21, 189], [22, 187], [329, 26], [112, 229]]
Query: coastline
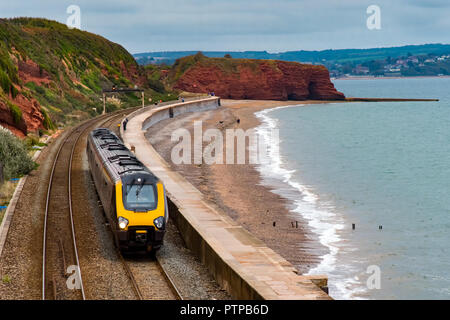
[[238, 190], [384, 78]]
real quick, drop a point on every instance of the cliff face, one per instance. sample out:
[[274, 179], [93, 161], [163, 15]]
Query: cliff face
[[253, 79], [50, 74], [29, 117], [7, 120]]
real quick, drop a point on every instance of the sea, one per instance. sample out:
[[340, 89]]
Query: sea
[[372, 181]]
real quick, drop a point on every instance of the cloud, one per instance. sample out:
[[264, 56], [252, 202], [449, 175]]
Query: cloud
[[274, 25], [429, 3]]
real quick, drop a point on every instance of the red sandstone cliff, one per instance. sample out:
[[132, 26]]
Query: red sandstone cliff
[[32, 118], [253, 79], [7, 121], [49, 73]]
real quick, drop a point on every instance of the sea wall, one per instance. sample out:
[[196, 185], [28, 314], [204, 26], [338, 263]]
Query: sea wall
[[240, 263], [177, 109]]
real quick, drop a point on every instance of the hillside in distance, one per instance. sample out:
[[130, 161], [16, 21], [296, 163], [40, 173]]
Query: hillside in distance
[[331, 56], [52, 75], [252, 79]]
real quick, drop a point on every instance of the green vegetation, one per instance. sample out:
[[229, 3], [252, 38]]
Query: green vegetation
[[6, 278], [14, 156], [67, 70], [31, 140], [78, 48], [5, 83], [183, 64], [408, 65], [8, 71], [47, 122], [6, 192], [225, 64], [158, 81], [378, 61], [332, 56], [156, 85], [16, 112]]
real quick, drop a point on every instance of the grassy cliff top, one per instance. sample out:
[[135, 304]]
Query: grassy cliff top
[[64, 69], [226, 64], [49, 43]]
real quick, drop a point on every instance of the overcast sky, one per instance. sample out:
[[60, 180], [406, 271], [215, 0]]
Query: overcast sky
[[238, 25]]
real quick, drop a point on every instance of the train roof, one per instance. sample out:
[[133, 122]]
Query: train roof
[[117, 159]]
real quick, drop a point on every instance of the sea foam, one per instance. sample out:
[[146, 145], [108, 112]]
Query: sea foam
[[324, 223]]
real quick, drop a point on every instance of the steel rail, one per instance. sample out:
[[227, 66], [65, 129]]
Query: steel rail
[[81, 128], [136, 289], [44, 244], [169, 279]]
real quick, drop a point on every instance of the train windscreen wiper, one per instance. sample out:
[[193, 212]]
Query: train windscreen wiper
[[138, 189], [130, 170], [129, 186]]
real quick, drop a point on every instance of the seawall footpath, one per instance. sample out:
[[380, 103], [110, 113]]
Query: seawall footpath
[[242, 264]]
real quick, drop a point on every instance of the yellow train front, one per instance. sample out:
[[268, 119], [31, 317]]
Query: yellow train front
[[133, 198]]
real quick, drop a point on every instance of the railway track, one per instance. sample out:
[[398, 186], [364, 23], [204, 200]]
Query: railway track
[[61, 271], [128, 266], [171, 283], [151, 262]]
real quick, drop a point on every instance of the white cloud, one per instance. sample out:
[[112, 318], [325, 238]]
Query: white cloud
[[274, 25]]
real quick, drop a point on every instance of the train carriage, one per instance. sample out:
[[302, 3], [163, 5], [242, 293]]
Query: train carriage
[[133, 198]]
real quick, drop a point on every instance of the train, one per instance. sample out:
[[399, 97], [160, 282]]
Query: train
[[133, 198]]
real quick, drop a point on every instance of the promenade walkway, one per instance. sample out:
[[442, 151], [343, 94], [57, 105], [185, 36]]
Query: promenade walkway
[[242, 264]]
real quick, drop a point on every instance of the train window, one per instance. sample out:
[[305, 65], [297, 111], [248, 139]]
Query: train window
[[140, 197]]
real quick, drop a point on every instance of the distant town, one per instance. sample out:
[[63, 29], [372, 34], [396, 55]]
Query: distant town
[[406, 66]]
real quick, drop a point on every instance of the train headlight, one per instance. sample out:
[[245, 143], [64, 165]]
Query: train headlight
[[123, 223], [159, 222]]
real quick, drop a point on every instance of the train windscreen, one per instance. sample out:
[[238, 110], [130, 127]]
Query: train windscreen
[[140, 197]]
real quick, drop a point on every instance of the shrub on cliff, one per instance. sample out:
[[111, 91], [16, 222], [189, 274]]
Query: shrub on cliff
[[156, 85], [14, 156], [48, 124], [16, 112]]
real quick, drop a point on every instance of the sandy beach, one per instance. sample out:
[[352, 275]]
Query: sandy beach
[[237, 189]]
